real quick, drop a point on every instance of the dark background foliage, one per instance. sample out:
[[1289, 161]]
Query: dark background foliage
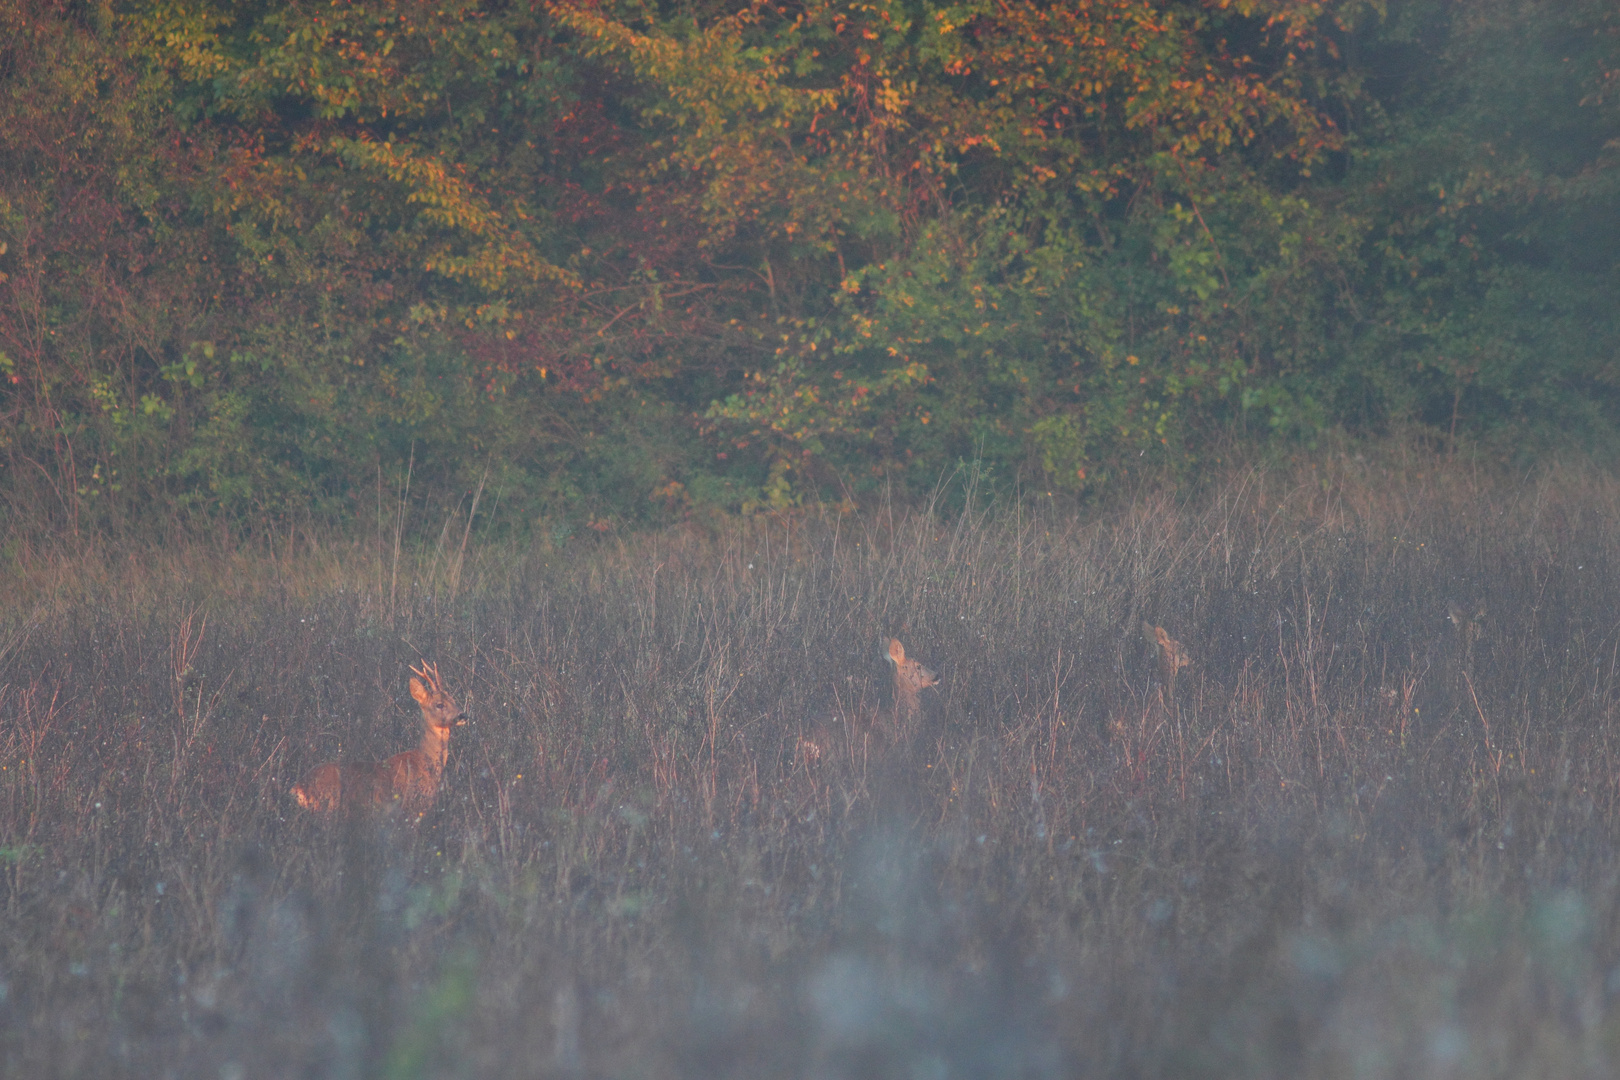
[[625, 263]]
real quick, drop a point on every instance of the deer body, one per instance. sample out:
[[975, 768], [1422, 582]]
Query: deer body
[[409, 780], [1172, 657], [887, 726]]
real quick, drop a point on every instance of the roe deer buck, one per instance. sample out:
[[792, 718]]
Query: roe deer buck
[[910, 680], [409, 780]]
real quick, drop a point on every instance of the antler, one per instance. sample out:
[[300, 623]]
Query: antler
[[430, 672]]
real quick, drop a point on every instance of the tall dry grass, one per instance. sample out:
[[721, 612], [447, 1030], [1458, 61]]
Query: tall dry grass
[[1370, 834]]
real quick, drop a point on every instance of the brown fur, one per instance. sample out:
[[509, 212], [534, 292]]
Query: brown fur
[[1172, 656], [910, 680], [829, 732], [409, 780]]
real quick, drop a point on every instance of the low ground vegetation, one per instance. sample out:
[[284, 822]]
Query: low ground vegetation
[[1369, 831]]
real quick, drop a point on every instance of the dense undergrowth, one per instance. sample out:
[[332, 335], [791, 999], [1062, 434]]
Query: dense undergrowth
[[1370, 833]]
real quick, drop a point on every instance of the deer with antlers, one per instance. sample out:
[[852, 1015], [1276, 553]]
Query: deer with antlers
[[409, 780]]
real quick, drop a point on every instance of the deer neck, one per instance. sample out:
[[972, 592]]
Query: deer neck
[[906, 703], [435, 747]]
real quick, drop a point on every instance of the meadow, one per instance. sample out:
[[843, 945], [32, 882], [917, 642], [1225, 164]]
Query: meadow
[[1368, 831]]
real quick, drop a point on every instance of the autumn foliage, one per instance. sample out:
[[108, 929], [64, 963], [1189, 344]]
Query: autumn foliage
[[626, 260]]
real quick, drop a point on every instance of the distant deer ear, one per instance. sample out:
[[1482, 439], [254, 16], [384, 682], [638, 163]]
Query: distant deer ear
[[419, 691], [897, 651]]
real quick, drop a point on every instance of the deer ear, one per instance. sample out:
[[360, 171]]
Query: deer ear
[[419, 691], [897, 651]]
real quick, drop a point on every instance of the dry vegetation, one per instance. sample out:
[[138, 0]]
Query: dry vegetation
[[1371, 833]]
